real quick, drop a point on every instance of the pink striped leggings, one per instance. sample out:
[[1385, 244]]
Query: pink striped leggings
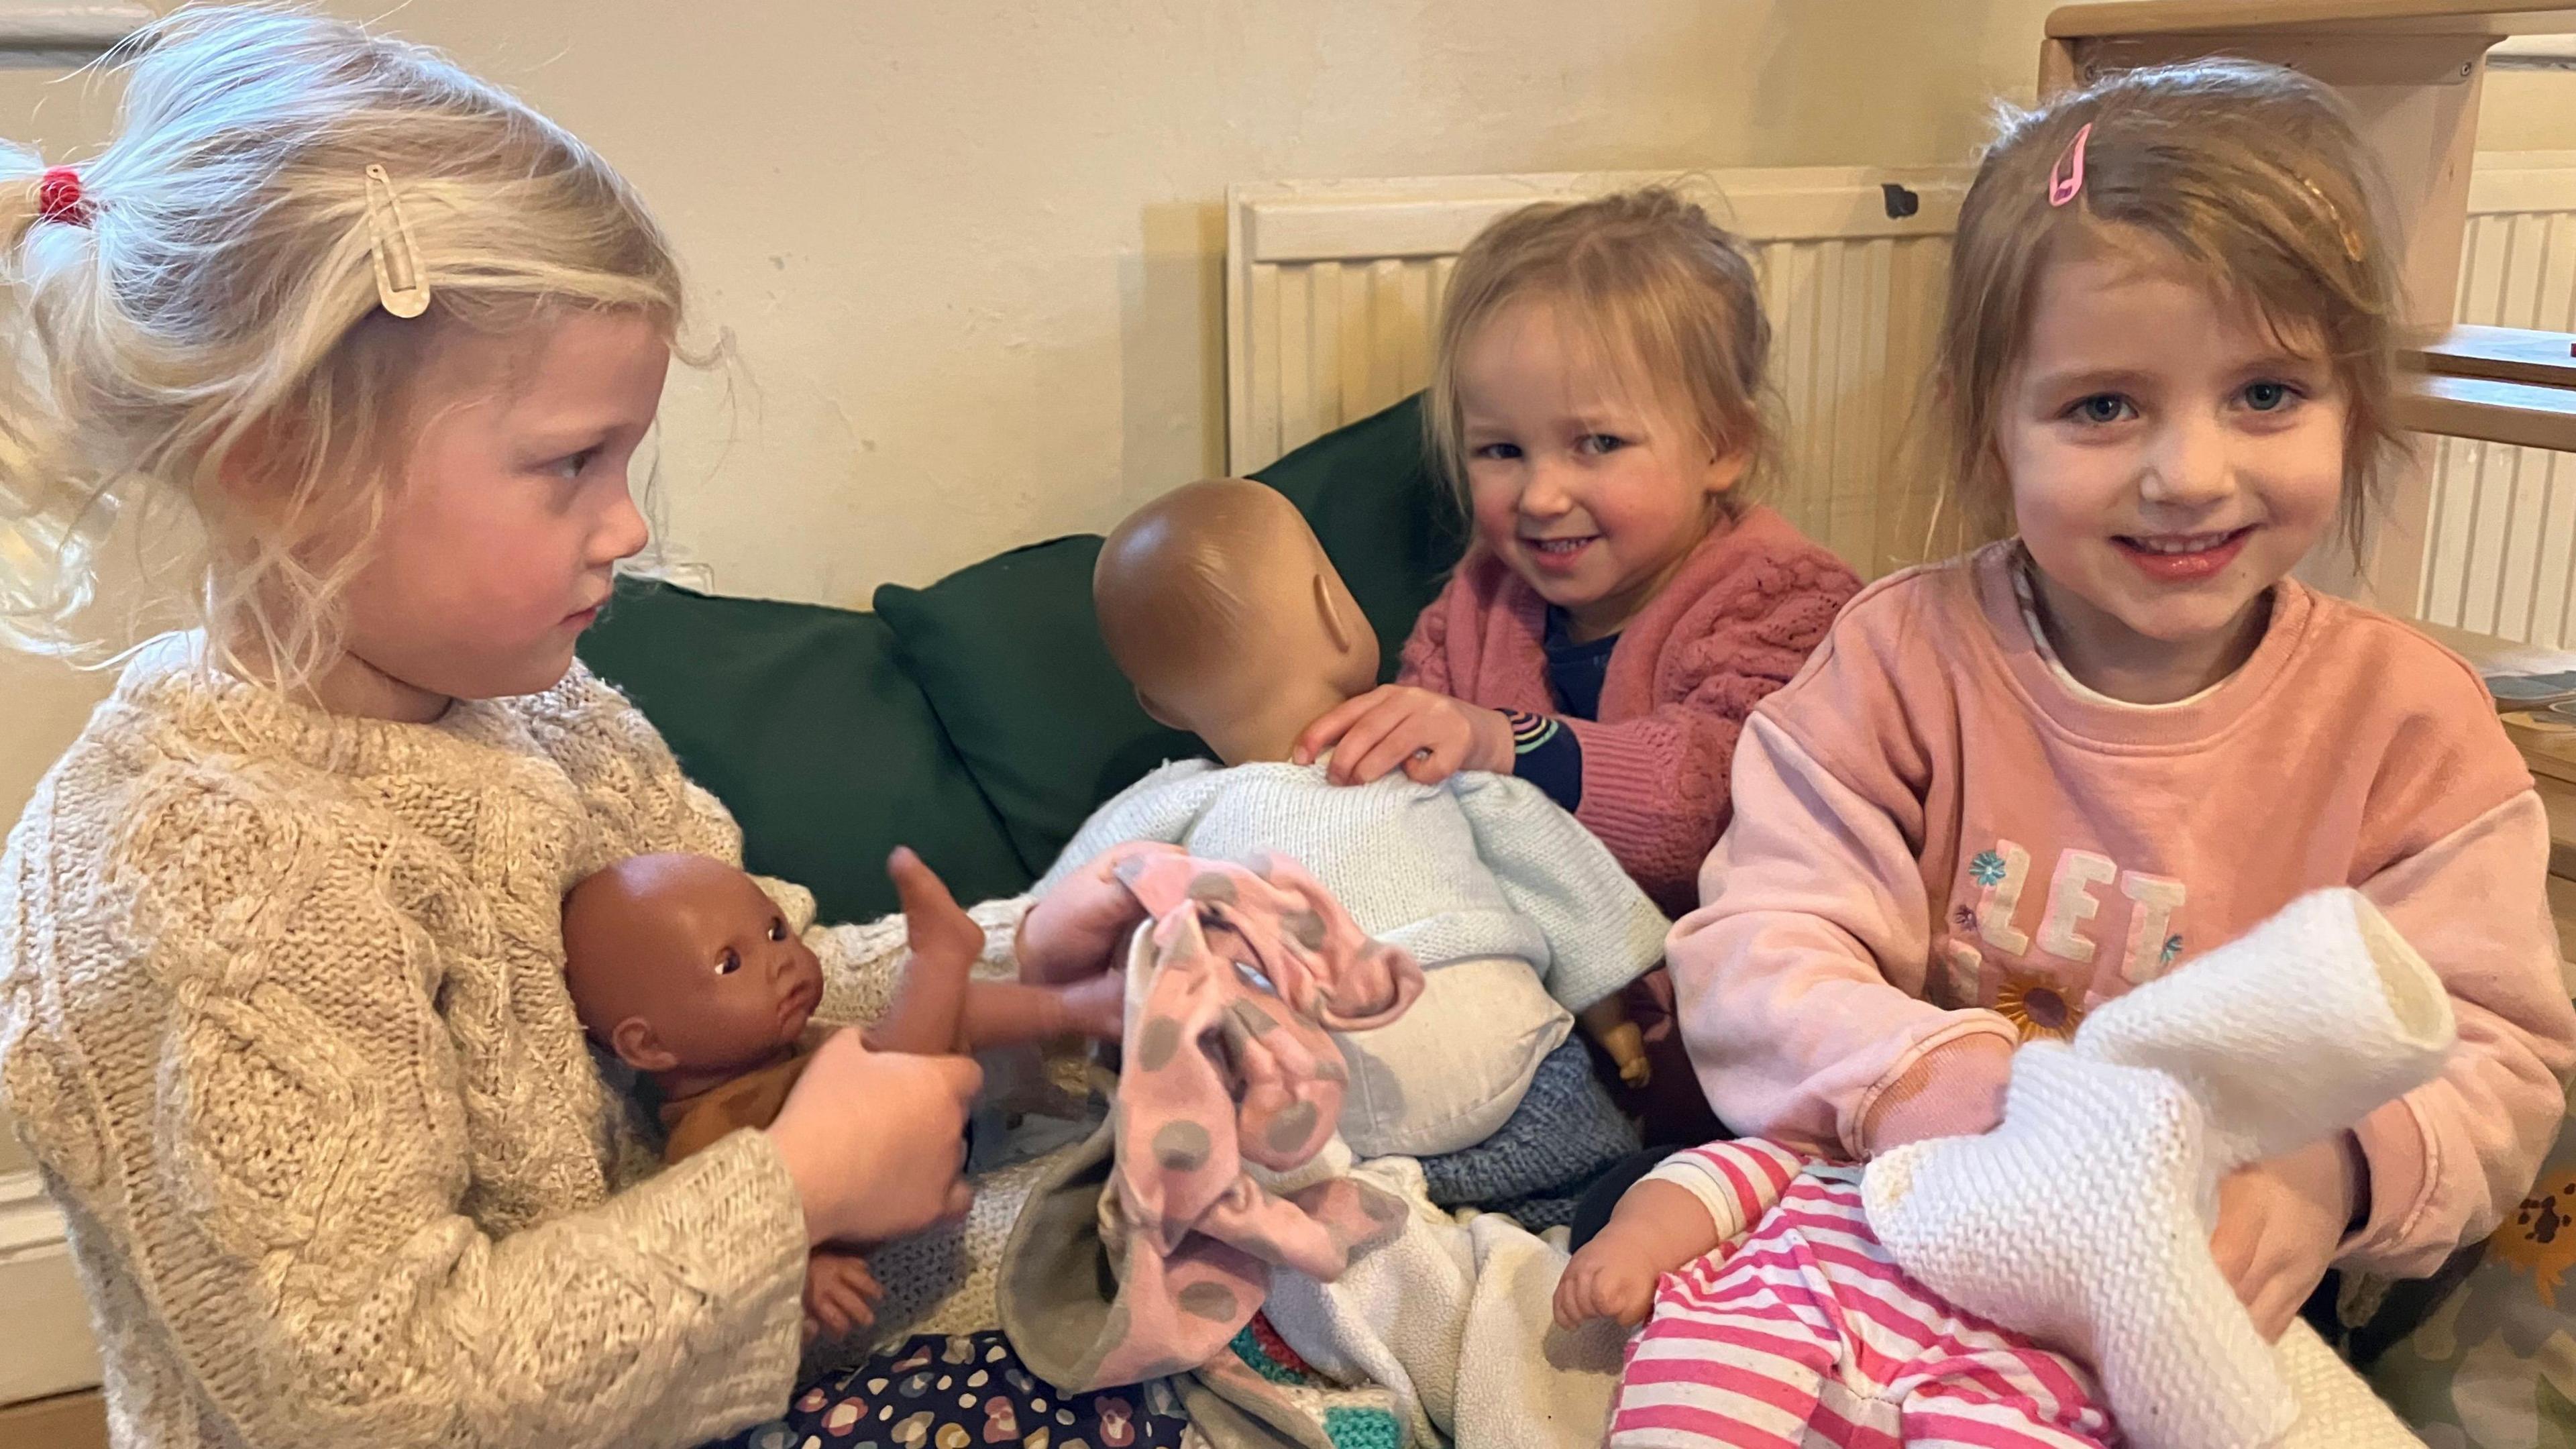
[[1805, 1333]]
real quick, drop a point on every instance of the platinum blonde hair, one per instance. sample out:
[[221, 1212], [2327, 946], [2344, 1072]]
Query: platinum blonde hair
[[216, 314]]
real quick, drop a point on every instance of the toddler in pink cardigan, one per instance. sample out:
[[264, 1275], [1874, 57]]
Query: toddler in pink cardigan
[[1593, 401], [2011, 787]]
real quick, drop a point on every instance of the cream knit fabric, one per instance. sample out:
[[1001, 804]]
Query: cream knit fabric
[[282, 1021], [2084, 1218]]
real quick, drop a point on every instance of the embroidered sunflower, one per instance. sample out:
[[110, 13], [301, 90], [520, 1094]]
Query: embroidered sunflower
[[1987, 869], [2037, 1009]]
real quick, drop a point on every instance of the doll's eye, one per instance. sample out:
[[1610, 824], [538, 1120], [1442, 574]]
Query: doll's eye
[[728, 963], [777, 929]]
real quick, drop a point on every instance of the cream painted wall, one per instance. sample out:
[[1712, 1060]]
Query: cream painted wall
[[970, 253]]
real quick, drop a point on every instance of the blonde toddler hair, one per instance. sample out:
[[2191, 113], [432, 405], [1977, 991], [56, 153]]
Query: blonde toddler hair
[[219, 299], [1670, 296]]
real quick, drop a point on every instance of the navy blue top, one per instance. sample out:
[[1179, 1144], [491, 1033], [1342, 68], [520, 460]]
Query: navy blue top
[[1547, 753]]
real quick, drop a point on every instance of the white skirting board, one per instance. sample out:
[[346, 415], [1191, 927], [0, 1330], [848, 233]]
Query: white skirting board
[[45, 1342]]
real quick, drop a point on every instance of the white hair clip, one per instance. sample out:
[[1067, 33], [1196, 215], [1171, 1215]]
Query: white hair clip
[[400, 284]]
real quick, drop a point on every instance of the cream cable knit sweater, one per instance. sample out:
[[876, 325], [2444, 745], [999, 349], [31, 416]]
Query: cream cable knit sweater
[[282, 1021]]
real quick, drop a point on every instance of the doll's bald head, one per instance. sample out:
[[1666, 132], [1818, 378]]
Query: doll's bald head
[[1219, 605]]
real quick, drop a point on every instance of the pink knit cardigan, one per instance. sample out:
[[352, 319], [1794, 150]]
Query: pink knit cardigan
[[1750, 603]]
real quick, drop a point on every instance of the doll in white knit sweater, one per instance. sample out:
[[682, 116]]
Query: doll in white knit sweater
[[1219, 605]]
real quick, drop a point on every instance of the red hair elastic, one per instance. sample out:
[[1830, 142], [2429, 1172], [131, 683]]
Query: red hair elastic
[[58, 198]]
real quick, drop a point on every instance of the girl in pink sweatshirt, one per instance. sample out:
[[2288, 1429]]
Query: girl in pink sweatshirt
[[2017, 784]]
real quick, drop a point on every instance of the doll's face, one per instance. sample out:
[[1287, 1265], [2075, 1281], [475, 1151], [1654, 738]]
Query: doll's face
[[682, 963]]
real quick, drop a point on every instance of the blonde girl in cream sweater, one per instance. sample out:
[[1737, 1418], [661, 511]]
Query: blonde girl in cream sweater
[[282, 1013]]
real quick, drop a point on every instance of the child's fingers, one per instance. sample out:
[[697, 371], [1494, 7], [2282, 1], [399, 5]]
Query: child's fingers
[[964, 1077], [1432, 764], [1329, 726], [1396, 749], [1357, 758]]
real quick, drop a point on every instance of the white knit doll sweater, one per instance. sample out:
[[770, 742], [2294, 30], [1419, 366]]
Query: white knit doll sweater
[[282, 1020]]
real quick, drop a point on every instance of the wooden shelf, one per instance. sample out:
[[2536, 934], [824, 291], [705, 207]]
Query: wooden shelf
[[2413, 72], [2498, 354], [2493, 384], [2489, 412], [2313, 17]]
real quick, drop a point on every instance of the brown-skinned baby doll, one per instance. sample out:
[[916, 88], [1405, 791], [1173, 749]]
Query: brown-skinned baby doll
[[686, 969]]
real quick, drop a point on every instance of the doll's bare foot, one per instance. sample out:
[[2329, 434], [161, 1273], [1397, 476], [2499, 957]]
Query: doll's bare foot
[[841, 1295]]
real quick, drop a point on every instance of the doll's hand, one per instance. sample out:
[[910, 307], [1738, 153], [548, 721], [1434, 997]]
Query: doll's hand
[[1396, 726], [840, 1293], [1610, 1278], [2279, 1222], [1626, 1044], [1606, 1021], [1081, 925], [935, 928], [875, 1140]]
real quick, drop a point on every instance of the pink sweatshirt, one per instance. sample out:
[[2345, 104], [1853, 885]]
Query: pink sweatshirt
[[1735, 624], [1943, 847]]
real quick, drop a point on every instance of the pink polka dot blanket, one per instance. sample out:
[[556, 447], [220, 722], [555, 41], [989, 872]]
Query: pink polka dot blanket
[[1231, 1082]]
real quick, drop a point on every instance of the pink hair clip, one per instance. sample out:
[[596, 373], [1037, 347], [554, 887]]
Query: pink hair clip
[[2066, 173]]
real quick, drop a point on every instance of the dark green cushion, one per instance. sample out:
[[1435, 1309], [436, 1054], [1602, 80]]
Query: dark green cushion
[[1010, 654], [802, 721], [1381, 514]]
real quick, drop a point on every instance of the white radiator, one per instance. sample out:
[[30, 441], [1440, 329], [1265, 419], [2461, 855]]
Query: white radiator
[[2503, 527], [1333, 289], [1333, 292]]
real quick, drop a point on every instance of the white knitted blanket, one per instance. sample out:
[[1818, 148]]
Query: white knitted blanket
[[2084, 1219], [1455, 1317]]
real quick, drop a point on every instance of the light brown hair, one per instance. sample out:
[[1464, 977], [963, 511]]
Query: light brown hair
[[2253, 176], [1670, 296], [221, 295]]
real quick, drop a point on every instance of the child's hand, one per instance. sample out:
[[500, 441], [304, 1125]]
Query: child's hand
[[1610, 1278], [2279, 1222], [1429, 736], [875, 1140], [1081, 926], [1098, 1006], [840, 1293]]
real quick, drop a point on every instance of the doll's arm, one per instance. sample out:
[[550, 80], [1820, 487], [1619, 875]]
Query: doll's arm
[[929, 1014], [1606, 1021]]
